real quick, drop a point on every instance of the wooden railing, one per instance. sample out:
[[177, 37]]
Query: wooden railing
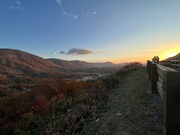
[[166, 82], [175, 64]]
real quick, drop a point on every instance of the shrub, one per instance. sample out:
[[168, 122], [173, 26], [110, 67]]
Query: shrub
[[132, 66], [42, 105], [111, 82], [73, 88], [45, 89], [128, 67], [26, 125]]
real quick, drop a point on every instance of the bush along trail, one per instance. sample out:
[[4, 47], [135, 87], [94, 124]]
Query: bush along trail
[[116, 105]]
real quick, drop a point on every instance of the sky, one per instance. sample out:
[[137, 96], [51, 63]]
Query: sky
[[92, 30]]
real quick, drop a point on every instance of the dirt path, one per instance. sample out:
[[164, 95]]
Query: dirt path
[[130, 110]]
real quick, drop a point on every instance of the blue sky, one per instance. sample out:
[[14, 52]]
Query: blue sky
[[92, 30]]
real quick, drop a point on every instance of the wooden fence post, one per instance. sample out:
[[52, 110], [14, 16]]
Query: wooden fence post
[[154, 78], [171, 104], [149, 69]]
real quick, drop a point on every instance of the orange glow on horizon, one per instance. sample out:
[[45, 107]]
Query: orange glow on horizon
[[169, 53], [128, 60]]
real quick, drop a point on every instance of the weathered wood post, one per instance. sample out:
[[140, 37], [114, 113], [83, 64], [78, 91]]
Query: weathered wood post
[[149, 69], [154, 78], [171, 104]]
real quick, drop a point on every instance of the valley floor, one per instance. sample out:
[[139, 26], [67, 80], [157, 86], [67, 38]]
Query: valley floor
[[130, 109]]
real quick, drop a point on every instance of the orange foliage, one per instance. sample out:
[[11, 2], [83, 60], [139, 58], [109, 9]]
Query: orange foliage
[[45, 89], [42, 105], [73, 88]]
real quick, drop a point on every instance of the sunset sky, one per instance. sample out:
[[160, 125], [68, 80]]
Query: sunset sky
[[92, 30]]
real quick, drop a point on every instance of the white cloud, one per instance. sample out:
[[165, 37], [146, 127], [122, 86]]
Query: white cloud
[[93, 13], [61, 6], [59, 3], [64, 13], [75, 17], [18, 6]]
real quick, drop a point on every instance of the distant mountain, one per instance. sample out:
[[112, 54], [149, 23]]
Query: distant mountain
[[81, 64], [176, 57], [70, 64], [23, 63], [105, 64], [20, 71]]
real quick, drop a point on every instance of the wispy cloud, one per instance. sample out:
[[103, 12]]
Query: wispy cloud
[[54, 53], [90, 13], [18, 6], [93, 13], [59, 2], [146, 51], [63, 12], [74, 16], [62, 9]]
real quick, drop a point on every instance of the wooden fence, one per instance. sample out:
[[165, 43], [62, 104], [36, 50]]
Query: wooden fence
[[175, 64], [166, 82]]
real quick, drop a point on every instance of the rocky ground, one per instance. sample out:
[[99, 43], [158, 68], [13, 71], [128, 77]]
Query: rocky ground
[[130, 109]]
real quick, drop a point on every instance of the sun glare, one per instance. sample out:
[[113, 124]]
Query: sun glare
[[169, 54]]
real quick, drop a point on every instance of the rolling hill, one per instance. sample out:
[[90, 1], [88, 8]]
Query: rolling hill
[[81, 64], [19, 62], [20, 70], [70, 64], [16, 62]]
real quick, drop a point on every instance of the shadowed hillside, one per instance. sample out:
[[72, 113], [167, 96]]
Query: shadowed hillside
[[70, 64], [18, 62], [20, 70], [82, 64], [117, 104]]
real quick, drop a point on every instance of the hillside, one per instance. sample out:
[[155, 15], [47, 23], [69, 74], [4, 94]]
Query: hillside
[[70, 64], [82, 64], [15, 62], [19, 62], [120, 104], [20, 70]]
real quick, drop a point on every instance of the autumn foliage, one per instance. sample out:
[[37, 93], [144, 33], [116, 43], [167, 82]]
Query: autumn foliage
[[55, 106]]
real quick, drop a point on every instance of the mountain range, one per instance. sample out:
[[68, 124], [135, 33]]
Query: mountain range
[[20, 70], [20, 62]]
